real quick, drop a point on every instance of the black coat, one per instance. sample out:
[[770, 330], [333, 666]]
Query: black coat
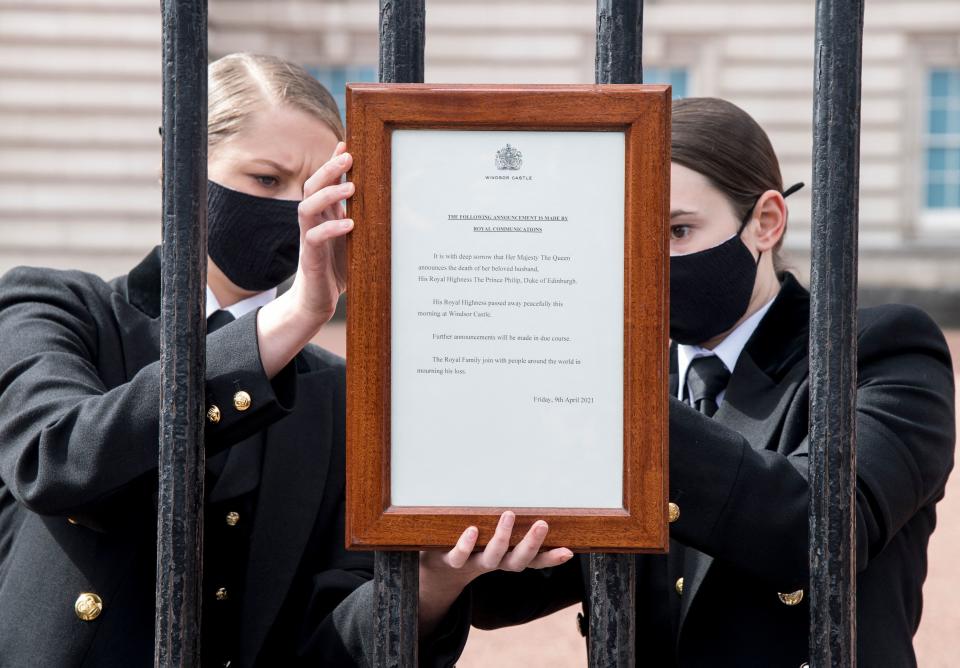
[[740, 481], [79, 413]]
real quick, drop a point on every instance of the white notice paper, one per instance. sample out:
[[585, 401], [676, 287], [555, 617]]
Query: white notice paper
[[507, 318]]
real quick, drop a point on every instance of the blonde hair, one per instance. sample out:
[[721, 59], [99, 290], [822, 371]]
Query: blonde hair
[[241, 83]]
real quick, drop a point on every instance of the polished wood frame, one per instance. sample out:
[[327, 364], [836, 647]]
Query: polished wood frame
[[643, 113]]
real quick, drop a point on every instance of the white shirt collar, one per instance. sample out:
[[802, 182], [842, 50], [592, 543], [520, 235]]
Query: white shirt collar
[[727, 350], [243, 306]]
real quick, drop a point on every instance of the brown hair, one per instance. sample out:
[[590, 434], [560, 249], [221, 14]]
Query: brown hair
[[241, 83], [721, 141]]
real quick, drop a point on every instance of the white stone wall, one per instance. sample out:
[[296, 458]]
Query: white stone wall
[[80, 103], [79, 145]]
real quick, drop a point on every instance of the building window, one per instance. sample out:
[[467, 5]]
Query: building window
[[942, 171], [336, 79], [675, 76]]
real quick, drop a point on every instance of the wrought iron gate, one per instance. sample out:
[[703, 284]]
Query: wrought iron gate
[[839, 30]]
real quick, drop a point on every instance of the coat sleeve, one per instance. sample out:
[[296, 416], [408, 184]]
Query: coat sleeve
[[492, 601], [352, 622], [69, 441], [506, 599], [750, 507], [336, 625], [336, 628]]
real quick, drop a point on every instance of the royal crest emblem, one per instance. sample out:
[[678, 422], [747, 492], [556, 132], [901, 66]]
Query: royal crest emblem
[[509, 158]]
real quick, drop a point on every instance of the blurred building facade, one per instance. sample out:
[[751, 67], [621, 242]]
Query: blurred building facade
[[80, 107]]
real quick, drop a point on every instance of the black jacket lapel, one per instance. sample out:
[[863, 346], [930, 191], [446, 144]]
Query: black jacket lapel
[[141, 287], [139, 335], [755, 406], [295, 462], [136, 308]]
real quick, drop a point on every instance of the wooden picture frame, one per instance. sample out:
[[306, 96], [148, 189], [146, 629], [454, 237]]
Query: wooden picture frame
[[642, 114]]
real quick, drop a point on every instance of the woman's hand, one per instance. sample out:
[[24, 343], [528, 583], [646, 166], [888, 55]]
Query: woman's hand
[[321, 274], [287, 324], [444, 575]]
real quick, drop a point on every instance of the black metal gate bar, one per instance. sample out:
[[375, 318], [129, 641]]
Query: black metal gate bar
[[396, 594], [833, 333], [183, 352], [402, 34], [397, 574], [619, 42], [613, 583], [613, 576]]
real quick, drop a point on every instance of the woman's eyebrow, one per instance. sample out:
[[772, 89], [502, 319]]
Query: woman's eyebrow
[[277, 166], [680, 212]]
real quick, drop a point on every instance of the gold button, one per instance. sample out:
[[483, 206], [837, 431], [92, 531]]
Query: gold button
[[213, 414], [679, 586], [233, 518], [793, 598], [673, 512], [242, 401], [221, 594], [88, 606]]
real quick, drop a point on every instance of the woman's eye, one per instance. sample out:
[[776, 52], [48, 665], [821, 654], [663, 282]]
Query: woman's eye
[[266, 181], [679, 231]]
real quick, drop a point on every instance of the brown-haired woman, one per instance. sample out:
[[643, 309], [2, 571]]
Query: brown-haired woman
[[79, 410], [733, 589]]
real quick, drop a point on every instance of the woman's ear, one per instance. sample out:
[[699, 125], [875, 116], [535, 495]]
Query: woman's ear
[[769, 221]]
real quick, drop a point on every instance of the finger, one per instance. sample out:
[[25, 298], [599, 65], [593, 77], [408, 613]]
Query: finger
[[458, 556], [339, 150], [335, 211], [526, 549], [550, 558], [324, 232], [313, 207], [328, 174], [499, 544]]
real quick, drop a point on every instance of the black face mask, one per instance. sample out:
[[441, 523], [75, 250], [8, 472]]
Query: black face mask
[[711, 289], [254, 240]]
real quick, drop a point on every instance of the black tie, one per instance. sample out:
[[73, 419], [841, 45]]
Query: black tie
[[706, 378], [218, 319]]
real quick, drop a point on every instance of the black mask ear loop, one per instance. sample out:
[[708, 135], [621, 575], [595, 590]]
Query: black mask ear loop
[[746, 218]]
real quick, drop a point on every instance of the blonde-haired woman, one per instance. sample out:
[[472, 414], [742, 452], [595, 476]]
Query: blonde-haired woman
[[79, 407]]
